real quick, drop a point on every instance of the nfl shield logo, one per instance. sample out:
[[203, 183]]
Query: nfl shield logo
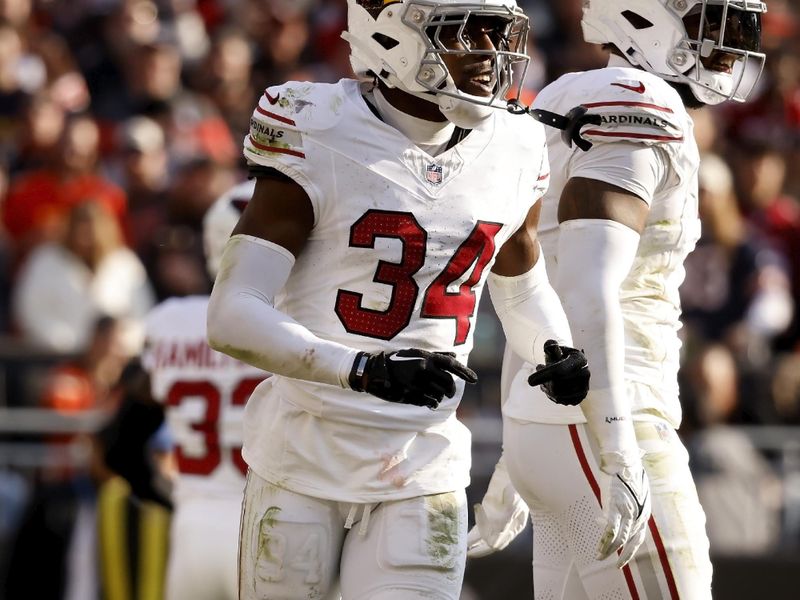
[[433, 174]]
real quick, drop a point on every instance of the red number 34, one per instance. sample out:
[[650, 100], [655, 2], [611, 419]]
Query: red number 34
[[438, 303]]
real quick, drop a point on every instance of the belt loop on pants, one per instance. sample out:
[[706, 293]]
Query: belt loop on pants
[[365, 514]]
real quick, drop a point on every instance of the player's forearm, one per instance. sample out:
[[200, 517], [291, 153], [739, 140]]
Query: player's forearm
[[530, 311], [243, 322], [594, 258]]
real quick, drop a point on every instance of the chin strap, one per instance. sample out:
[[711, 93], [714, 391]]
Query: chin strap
[[569, 124]]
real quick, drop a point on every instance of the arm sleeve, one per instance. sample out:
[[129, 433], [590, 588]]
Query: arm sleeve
[[529, 311], [594, 258], [243, 321]]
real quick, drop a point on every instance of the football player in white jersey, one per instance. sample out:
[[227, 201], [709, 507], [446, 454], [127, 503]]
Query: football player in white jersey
[[204, 393], [617, 223], [380, 210]]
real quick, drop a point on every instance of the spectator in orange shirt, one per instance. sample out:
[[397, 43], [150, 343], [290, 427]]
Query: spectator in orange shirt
[[38, 202]]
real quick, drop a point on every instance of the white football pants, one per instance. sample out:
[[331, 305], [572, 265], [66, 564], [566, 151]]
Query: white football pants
[[202, 551], [294, 546], [554, 469]]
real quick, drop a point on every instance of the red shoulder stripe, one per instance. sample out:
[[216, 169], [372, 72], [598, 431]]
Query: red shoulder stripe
[[266, 113], [276, 149], [624, 103], [631, 134]]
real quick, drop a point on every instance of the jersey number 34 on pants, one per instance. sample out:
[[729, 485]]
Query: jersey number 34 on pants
[[438, 303]]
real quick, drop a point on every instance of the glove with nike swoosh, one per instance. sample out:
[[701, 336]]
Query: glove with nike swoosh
[[409, 376], [626, 506]]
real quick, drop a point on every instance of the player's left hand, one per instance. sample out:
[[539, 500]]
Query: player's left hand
[[565, 377], [499, 518], [627, 508]]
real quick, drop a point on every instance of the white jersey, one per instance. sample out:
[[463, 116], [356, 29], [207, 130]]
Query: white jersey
[[204, 393], [645, 145], [401, 246]]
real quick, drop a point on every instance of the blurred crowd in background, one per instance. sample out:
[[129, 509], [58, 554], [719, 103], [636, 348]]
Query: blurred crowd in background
[[122, 120]]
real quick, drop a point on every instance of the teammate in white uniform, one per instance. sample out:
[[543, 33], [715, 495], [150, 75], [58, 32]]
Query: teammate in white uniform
[[204, 393], [378, 215], [617, 223]]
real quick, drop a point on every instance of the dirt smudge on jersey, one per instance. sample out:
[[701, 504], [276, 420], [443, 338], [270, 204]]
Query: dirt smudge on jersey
[[390, 464], [649, 345], [308, 357], [336, 104], [246, 356], [314, 593]]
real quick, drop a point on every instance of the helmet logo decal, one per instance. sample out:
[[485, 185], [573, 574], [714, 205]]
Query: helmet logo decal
[[639, 89]]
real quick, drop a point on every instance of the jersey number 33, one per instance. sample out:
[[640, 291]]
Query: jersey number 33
[[208, 424]]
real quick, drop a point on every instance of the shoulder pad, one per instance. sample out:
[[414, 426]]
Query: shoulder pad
[[301, 105], [634, 106], [288, 113], [522, 132], [549, 96]]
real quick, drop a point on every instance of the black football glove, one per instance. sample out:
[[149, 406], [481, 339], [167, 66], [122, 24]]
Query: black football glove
[[565, 377], [409, 376]]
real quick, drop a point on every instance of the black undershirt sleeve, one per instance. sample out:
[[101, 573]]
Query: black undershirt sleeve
[[259, 171]]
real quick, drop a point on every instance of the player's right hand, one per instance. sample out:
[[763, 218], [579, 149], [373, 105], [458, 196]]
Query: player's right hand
[[565, 377], [410, 376], [500, 516], [626, 509]]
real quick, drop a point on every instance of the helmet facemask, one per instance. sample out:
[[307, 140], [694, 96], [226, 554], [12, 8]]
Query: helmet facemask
[[719, 58], [713, 46], [408, 44]]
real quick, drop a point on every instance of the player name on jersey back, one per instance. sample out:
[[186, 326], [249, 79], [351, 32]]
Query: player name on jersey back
[[191, 353]]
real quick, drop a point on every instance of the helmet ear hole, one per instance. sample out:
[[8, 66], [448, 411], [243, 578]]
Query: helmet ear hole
[[637, 20], [385, 41]]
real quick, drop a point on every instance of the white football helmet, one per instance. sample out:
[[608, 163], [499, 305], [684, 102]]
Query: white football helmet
[[402, 42], [711, 45], [220, 219]]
